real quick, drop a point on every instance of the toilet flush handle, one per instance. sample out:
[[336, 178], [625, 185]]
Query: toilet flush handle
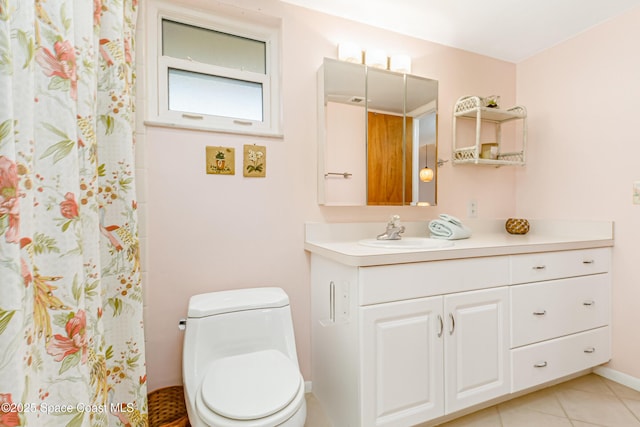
[[182, 324]]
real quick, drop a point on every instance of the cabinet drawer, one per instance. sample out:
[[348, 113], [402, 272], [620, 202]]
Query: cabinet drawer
[[398, 282], [540, 311], [538, 363], [556, 265]]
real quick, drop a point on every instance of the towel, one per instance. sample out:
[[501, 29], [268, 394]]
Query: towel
[[448, 227]]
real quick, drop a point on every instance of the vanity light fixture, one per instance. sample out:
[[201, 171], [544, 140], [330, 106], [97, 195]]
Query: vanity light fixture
[[350, 52], [375, 58], [400, 63]]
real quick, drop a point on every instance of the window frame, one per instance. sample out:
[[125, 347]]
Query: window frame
[[240, 23]]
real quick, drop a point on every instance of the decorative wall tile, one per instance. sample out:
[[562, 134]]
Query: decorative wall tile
[[255, 161], [221, 160]]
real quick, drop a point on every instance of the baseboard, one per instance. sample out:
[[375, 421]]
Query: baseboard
[[619, 377], [307, 386]]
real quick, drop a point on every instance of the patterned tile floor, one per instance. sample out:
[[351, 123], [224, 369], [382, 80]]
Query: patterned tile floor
[[586, 401]]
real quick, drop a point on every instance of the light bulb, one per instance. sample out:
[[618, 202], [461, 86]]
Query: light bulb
[[350, 52], [400, 63], [426, 174], [376, 58]]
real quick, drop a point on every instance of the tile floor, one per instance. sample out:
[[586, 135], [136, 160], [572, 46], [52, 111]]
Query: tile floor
[[586, 401]]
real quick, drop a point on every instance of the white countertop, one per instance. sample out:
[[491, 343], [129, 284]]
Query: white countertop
[[339, 241]]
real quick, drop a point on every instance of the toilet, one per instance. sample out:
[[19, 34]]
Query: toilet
[[239, 364]]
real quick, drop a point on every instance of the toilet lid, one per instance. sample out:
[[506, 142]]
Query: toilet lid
[[250, 386]]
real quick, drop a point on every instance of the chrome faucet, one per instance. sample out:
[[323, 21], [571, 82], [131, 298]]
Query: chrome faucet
[[394, 229]]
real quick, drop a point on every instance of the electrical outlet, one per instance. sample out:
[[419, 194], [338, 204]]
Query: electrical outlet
[[472, 209], [636, 192]]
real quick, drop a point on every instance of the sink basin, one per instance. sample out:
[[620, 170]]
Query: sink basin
[[407, 243]]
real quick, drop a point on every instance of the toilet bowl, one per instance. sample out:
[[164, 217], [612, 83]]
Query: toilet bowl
[[240, 367]]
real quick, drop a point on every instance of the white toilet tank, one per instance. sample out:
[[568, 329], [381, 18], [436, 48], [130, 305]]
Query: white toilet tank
[[233, 322]]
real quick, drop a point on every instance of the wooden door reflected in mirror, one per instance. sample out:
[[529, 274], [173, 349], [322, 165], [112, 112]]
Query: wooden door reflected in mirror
[[389, 159]]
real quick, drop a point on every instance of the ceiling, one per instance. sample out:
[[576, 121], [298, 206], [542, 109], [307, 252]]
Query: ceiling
[[510, 30]]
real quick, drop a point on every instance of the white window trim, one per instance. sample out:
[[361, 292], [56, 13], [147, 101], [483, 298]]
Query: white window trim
[[218, 18]]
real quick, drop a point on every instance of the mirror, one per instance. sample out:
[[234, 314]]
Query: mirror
[[377, 130]]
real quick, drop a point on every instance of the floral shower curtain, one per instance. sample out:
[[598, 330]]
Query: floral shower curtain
[[71, 337]]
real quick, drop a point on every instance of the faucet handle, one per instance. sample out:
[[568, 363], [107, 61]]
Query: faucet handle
[[394, 229]]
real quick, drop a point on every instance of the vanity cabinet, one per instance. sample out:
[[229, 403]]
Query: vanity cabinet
[[404, 344], [414, 341]]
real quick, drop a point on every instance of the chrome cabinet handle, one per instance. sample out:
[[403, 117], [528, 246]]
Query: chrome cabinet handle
[[539, 267], [588, 261], [540, 313], [590, 350], [540, 365], [453, 324], [441, 326], [332, 301], [589, 302]]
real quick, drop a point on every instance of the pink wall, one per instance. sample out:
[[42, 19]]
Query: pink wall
[[584, 152], [205, 233]]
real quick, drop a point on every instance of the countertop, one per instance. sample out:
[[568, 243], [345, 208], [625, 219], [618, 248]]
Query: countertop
[[339, 241]]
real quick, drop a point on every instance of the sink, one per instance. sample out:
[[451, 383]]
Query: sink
[[407, 243]]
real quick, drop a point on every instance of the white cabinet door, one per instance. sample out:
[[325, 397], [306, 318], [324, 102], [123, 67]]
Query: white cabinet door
[[476, 347], [402, 366]]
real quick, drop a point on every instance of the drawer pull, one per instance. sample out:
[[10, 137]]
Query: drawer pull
[[539, 267], [453, 324], [590, 350], [588, 261], [441, 326], [589, 302], [540, 313], [540, 365]]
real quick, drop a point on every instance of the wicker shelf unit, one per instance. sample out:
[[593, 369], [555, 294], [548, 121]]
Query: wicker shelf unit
[[473, 108]]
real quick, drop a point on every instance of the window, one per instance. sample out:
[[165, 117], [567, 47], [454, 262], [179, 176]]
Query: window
[[217, 72]]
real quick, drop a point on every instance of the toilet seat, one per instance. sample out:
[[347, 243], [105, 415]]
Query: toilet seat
[[250, 386]]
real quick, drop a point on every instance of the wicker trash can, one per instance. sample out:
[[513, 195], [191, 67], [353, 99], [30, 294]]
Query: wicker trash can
[[167, 408]]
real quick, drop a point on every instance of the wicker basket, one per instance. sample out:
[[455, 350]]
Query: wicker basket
[[167, 408], [517, 226]]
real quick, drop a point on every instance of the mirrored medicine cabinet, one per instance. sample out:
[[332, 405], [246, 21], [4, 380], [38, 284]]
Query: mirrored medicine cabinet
[[377, 129]]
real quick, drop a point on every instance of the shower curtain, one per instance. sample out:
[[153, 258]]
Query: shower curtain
[[71, 333]]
